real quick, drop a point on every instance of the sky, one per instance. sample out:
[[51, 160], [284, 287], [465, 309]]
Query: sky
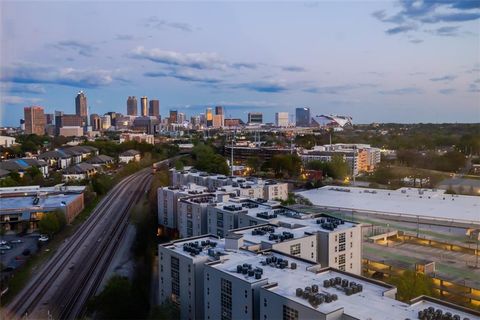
[[377, 61]]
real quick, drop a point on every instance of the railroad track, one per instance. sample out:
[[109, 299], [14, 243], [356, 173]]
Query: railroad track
[[27, 302]]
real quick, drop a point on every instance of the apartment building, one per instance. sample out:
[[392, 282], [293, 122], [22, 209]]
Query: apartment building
[[360, 157], [316, 237], [271, 189], [210, 278]]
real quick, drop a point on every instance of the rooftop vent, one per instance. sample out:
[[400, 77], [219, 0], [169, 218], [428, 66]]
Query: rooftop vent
[[431, 313]]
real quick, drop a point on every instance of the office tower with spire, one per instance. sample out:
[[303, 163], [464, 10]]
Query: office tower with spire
[[154, 108], [132, 106], [81, 106], [143, 106]]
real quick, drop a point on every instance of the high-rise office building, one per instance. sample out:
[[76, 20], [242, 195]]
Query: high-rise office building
[[81, 106], [113, 117], [143, 106], [209, 117], [132, 106], [255, 117], [219, 110], [173, 116], [281, 119], [154, 108], [181, 117], [95, 122], [50, 118], [303, 117], [34, 120]]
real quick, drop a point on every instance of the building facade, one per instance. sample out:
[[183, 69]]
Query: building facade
[[81, 108], [255, 118], [302, 117], [144, 106], [281, 119], [34, 120], [132, 106], [154, 108]]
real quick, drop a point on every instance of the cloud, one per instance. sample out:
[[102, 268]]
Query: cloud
[[473, 88], [338, 89], [293, 69], [447, 91], [183, 76], [81, 48], [448, 31], [400, 29], [202, 60], [262, 86], [199, 60], [16, 100], [416, 41], [124, 37], [155, 22], [401, 91], [447, 77], [415, 12], [28, 73], [22, 88]]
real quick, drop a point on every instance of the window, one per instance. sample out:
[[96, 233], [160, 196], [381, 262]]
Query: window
[[312, 244], [264, 302], [351, 255], [341, 267], [351, 266], [312, 255], [341, 247], [295, 249], [336, 249], [341, 259], [341, 237], [351, 244], [246, 294], [175, 276], [289, 313], [226, 299]]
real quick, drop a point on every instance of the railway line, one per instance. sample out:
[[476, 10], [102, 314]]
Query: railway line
[[66, 282]]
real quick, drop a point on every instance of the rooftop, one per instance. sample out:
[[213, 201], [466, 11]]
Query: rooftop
[[48, 203], [200, 244], [405, 201]]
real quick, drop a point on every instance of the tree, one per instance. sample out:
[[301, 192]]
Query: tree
[[412, 284], [179, 165], [116, 300], [207, 160], [254, 163], [286, 165], [52, 222], [338, 168]]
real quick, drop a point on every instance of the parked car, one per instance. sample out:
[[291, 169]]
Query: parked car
[[43, 238], [16, 241], [5, 247], [3, 242]]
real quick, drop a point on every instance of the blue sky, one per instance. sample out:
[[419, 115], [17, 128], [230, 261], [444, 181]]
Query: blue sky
[[398, 61]]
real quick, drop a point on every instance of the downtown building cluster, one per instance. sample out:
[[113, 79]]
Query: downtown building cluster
[[242, 255]]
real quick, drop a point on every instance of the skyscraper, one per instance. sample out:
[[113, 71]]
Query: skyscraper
[[34, 120], [95, 122], [132, 106], [302, 116], [173, 116], [81, 106], [143, 106], [219, 110], [255, 117], [281, 119], [209, 117], [154, 108]]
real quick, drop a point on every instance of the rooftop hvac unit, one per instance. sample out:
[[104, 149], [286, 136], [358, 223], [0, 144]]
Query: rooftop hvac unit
[[293, 265]]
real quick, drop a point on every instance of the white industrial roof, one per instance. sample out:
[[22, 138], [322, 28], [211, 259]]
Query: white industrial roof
[[405, 201]]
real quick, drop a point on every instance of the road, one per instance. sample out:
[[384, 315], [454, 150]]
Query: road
[[66, 282]]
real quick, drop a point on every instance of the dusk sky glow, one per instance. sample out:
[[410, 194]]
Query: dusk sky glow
[[400, 61]]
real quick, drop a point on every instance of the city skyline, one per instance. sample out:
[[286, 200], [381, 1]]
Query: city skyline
[[400, 62]]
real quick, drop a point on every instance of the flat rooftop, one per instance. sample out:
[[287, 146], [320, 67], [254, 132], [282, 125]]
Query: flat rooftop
[[370, 303], [178, 246], [426, 203], [21, 204]]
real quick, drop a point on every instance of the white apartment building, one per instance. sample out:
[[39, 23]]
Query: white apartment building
[[320, 238], [271, 189], [167, 199], [281, 119], [212, 278]]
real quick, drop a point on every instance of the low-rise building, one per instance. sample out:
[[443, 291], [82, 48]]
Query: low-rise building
[[21, 208], [100, 160], [71, 131], [79, 172], [129, 155], [21, 165], [139, 137], [7, 141]]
